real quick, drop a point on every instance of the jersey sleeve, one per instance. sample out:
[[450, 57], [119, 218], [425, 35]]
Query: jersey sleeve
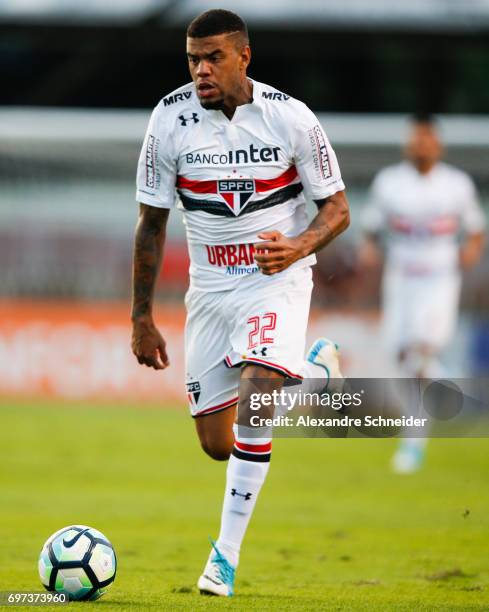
[[156, 172], [473, 219], [374, 214], [314, 157]]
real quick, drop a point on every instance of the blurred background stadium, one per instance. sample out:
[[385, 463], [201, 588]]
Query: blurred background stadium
[[78, 83]]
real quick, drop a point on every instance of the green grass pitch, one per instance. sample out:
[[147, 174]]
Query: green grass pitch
[[333, 529]]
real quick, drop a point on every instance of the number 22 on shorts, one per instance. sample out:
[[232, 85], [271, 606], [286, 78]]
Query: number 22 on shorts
[[260, 326]]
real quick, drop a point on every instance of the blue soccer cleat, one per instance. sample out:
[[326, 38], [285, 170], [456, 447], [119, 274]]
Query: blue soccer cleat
[[325, 353], [409, 457], [218, 576]]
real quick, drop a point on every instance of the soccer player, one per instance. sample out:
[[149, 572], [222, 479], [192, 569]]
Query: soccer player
[[240, 155], [429, 215]]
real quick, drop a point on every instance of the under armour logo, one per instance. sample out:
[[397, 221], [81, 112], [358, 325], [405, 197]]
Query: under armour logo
[[184, 120], [246, 496], [263, 351]]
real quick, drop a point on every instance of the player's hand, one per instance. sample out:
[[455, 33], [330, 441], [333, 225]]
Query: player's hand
[[148, 345], [278, 252]]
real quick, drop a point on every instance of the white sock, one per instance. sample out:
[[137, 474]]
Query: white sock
[[246, 473], [248, 468]]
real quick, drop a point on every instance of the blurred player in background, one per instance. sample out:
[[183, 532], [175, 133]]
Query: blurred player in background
[[240, 155], [427, 216]]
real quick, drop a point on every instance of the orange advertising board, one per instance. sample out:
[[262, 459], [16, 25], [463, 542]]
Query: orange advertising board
[[77, 350]]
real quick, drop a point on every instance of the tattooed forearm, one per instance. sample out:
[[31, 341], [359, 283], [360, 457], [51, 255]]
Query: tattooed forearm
[[148, 253], [332, 219]]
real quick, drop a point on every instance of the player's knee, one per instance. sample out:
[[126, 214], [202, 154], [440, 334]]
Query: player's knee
[[216, 450]]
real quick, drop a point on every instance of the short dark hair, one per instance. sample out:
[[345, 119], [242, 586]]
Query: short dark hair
[[216, 21]]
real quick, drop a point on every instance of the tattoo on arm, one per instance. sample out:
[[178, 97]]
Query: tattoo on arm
[[332, 219], [322, 232], [148, 253]]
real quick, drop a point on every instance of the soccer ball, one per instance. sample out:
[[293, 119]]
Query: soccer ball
[[78, 561]]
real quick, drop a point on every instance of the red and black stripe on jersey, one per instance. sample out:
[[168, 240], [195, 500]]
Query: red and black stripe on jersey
[[288, 190]]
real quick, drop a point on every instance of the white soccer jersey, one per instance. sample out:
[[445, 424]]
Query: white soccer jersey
[[235, 178], [423, 216]]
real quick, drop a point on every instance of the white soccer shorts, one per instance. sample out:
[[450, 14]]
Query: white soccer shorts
[[262, 321], [419, 310]]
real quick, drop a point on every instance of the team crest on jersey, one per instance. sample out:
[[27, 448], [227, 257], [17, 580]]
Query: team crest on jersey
[[236, 193], [193, 392]]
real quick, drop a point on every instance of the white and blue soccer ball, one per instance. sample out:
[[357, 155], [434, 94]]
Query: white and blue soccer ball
[[79, 562]]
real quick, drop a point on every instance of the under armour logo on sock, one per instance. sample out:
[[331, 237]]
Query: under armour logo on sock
[[184, 120], [246, 496], [263, 351]]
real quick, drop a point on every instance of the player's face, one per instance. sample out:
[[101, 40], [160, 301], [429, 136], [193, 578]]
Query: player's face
[[424, 148], [218, 65]]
